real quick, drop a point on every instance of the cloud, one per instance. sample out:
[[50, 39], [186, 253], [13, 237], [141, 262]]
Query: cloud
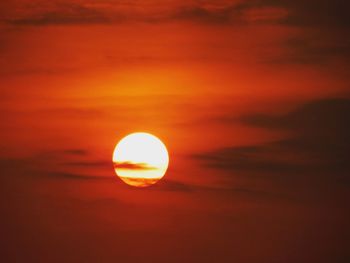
[[310, 12], [102, 164], [320, 141], [296, 13], [34, 168], [64, 14], [201, 14], [265, 14], [74, 13], [317, 13], [59, 154], [55, 163], [313, 48], [31, 169], [317, 117], [133, 166], [172, 185], [75, 176], [322, 35], [238, 13], [74, 151]]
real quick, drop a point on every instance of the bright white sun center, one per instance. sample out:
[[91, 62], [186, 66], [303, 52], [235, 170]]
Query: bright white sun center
[[140, 159]]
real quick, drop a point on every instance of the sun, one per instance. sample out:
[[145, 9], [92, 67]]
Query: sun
[[140, 159]]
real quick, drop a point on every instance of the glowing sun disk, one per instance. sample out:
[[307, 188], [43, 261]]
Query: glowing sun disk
[[140, 159]]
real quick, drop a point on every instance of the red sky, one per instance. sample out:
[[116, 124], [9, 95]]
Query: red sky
[[250, 97]]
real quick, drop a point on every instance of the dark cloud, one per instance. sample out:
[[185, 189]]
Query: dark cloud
[[78, 14], [27, 169], [102, 164], [329, 116], [40, 157], [325, 24], [55, 164], [64, 14], [133, 166], [314, 48], [200, 14], [71, 175], [320, 141], [35, 168], [253, 159], [74, 13], [322, 13], [230, 189], [39, 166], [74, 151], [59, 154], [325, 27], [171, 185], [317, 13], [300, 13]]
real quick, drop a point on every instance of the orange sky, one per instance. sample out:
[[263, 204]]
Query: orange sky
[[239, 91]]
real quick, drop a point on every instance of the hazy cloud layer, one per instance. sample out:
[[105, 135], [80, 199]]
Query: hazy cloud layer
[[325, 24], [65, 13], [301, 13], [320, 142]]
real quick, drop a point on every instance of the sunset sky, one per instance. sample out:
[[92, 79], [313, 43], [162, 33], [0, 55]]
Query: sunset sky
[[250, 97]]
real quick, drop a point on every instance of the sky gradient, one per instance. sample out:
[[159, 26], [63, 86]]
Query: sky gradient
[[251, 98]]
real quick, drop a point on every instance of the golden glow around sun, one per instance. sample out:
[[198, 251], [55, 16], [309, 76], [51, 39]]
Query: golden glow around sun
[[140, 159]]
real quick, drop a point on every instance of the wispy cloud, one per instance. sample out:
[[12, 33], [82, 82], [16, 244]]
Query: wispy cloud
[[133, 166], [102, 164], [313, 46], [298, 13], [64, 14], [319, 143]]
